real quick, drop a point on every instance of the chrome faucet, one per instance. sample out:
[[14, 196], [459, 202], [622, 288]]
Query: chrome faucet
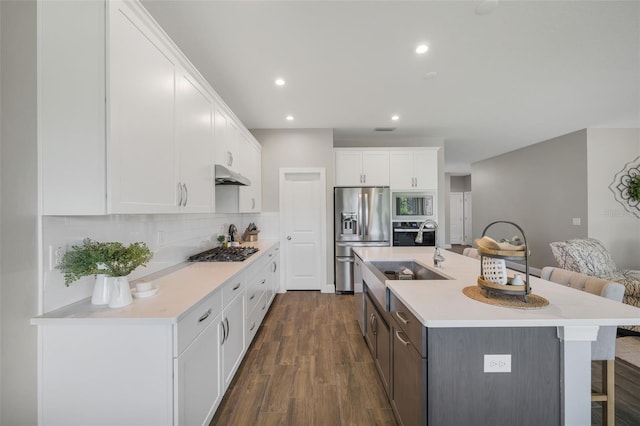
[[430, 223]]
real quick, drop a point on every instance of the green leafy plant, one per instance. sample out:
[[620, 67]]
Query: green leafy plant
[[110, 258], [634, 188]]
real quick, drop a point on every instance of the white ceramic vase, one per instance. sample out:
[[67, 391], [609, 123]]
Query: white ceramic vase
[[120, 292], [101, 290]]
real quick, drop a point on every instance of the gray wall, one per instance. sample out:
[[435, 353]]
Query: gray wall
[[19, 216], [297, 148], [540, 187], [453, 184]]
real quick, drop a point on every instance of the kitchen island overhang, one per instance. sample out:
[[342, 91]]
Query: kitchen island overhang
[[576, 315]]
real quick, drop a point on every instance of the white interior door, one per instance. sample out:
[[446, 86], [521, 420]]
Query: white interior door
[[456, 223], [468, 229], [303, 224]]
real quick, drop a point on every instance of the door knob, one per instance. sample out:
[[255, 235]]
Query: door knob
[[289, 238]]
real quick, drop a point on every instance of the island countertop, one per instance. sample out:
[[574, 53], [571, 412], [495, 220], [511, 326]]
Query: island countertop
[[179, 289], [441, 303]]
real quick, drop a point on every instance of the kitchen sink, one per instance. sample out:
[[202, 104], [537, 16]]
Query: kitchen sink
[[393, 270]]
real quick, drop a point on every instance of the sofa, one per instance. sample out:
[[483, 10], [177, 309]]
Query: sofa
[[590, 257]]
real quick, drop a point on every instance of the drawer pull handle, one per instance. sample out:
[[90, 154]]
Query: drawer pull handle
[[252, 326], [236, 287], [404, 320], [205, 315], [262, 282], [404, 342], [264, 306], [253, 296]]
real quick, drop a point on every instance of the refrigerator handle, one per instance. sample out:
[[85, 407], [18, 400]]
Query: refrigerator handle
[[365, 215], [360, 223]]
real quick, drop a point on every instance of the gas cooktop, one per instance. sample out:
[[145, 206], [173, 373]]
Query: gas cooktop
[[224, 254]]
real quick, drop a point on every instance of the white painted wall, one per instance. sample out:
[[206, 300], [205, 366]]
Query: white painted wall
[[296, 148], [19, 213], [608, 151]]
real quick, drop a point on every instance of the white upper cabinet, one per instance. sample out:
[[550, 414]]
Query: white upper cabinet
[[250, 197], [361, 167], [414, 169], [126, 124], [194, 137], [141, 164], [226, 135]]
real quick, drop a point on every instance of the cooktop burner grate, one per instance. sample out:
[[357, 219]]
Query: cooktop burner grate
[[224, 254]]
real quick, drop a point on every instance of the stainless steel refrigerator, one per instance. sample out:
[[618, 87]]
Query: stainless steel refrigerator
[[361, 219]]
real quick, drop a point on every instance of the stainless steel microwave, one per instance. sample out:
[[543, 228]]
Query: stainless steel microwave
[[413, 206]]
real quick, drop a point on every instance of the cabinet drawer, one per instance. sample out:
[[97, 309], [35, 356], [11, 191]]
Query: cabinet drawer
[[255, 319], [254, 293], [231, 289], [408, 323], [196, 320]]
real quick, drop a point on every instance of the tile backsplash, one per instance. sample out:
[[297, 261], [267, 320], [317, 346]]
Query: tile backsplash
[[171, 238]]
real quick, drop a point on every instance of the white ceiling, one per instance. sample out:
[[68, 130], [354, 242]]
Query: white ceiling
[[526, 72]]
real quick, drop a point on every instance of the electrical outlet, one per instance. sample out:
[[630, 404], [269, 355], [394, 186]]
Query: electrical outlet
[[161, 238], [55, 257], [497, 363], [576, 221]]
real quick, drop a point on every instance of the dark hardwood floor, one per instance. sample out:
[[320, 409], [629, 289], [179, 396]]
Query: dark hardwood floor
[[309, 365]]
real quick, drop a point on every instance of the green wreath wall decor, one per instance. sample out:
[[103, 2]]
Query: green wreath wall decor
[[626, 187]]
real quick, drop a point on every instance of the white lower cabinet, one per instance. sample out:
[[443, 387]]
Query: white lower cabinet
[[261, 288], [198, 388], [233, 337]]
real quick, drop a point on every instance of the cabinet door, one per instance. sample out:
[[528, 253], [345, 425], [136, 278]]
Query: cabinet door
[[275, 271], [401, 170], [250, 197], [371, 325], [348, 166], [426, 169], [198, 388], [234, 140], [233, 344], [409, 380], [383, 351], [220, 136], [141, 161], [194, 134], [375, 168]]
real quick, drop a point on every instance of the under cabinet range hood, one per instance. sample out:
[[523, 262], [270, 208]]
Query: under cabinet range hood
[[225, 176]]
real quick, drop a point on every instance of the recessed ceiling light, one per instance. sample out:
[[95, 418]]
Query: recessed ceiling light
[[395, 117], [289, 117], [280, 82], [422, 49]]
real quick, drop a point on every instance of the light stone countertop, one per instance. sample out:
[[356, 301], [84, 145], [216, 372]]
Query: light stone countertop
[[441, 303], [179, 289]]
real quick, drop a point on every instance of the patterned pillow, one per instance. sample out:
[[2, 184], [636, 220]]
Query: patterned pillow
[[588, 257]]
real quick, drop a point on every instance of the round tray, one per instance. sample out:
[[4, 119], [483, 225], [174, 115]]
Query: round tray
[[502, 288]]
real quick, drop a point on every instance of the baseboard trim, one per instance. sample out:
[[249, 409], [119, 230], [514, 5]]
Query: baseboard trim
[[328, 288]]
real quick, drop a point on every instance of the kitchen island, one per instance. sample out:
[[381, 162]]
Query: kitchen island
[[561, 331]]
